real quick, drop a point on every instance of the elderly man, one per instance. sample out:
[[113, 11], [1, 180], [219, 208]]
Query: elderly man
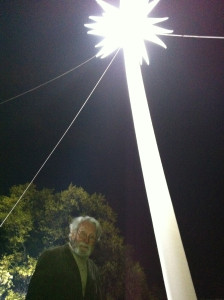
[[66, 272]]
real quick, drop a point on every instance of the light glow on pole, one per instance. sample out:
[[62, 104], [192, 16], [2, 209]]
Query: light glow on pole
[[128, 27]]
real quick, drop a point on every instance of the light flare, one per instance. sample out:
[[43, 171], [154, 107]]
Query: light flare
[[127, 26]]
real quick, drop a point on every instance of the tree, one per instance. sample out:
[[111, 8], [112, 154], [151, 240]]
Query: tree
[[15, 273], [41, 221]]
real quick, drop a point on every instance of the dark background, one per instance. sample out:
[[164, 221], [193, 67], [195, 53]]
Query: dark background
[[184, 85]]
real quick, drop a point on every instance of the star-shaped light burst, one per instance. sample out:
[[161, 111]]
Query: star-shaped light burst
[[127, 26]]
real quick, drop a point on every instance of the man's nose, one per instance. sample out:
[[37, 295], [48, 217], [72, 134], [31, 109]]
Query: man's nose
[[86, 239]]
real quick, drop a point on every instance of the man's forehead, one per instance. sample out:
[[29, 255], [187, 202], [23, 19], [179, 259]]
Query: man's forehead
[[87, 226]]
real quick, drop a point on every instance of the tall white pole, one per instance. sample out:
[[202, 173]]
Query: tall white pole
[[176, 274], [127, 28]]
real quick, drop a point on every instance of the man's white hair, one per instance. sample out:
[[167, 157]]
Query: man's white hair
[[76, 222]]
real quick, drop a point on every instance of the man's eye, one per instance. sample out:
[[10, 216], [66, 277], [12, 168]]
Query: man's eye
[[82, 234]]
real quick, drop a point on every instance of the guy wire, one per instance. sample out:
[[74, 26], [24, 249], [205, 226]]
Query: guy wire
[[48, 157], [47, 82]]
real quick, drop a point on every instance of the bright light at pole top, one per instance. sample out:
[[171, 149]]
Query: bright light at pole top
[[127, 26]]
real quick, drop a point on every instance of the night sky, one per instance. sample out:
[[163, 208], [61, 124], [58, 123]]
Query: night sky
[[185, 89]]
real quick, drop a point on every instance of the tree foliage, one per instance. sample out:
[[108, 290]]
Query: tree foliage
[[41, 221], [15, 273]]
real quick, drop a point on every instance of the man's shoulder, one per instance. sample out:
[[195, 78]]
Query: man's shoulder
[[57, 249], [54, 252]]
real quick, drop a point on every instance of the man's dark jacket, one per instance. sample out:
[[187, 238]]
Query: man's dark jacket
[[57, 277]]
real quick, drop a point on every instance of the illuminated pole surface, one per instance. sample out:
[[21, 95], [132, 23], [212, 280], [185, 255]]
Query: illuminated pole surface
[[176, 274], [173, 261]]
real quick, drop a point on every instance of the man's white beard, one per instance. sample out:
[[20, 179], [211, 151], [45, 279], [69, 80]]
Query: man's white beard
[[81, 249]]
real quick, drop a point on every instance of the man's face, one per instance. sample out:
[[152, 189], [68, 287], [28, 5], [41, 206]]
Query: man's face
[[84, 239]]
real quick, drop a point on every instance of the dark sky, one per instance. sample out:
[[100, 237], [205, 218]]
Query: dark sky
[[185, 91]]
